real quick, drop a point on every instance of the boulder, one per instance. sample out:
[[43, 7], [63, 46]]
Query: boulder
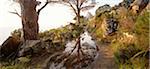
[[31, 47], [138, 5], [10, 47], [112, 25], [70, 58], [126, 3], [102, 9]]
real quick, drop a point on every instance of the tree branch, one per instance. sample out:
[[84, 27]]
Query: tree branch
[[38, 12], [23, 19], [73, 8], [16, 13], [86, 7], [77, 5], [82, 2]]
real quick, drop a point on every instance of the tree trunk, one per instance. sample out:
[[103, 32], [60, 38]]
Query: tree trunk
[[78, 16], [29, 19]]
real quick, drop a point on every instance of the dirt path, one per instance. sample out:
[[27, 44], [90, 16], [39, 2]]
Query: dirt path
[[105, 59]]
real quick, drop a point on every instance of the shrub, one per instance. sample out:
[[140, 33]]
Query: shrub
[[133, 54]]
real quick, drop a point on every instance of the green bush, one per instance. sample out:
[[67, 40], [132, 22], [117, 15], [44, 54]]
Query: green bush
[[20, 63], [134, 55], [142, 30]]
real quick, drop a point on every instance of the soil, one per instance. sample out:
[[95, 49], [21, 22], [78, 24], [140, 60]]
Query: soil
[[105, 58]]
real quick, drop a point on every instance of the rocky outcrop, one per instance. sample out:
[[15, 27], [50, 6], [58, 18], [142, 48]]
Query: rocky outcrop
[[112, 25], [35, 47], [103, 9], [88, 16], [73, 57], [126, 3], [10, 47], [31, 47], [138, 5], [109, 27]]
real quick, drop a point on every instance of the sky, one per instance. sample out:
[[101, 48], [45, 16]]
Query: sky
[[52, 16]]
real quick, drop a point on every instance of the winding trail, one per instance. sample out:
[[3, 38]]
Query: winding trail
[[105, 59]]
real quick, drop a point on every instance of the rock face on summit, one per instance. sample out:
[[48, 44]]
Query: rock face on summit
[[70, 58]]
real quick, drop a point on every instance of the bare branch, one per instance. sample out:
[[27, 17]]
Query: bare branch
[[38, 12], [47, 2], [16, 13], [81, 4], [82, 1], [73, 8], [86, 7]]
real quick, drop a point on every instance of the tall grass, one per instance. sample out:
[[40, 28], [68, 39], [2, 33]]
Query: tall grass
[[134, 55]]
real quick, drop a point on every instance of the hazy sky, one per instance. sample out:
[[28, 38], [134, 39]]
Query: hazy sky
[[52, 16]]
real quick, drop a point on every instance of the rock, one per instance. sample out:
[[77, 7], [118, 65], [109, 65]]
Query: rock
[[71, 58], [102, 9], [88, 16], [86, 40], [70, 46], [31, 47], [112, 25], [138, 5], [10, 47], [126, 3]]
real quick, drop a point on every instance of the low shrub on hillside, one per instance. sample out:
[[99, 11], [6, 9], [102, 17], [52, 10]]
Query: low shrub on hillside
[[134, 54]]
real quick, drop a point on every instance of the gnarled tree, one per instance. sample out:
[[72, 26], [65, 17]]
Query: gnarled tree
[[29, 16]]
